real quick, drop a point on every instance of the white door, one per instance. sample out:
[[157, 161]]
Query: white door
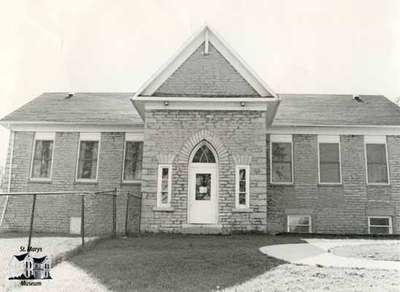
[[203, 201]]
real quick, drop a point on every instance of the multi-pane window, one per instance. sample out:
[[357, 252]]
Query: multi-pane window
[[242, 186], [281, 159], [42, 156], [164, 186], [88, 156], [376, 156], [329, 159], [299, 223], [380, 225], [203, 155], [133, 161]]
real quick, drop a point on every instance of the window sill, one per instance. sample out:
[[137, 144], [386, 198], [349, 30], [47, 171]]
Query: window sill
[[378, 184], [242, 210], [38, 180], [330, 184], [281, 184], [163, 209], [131, 182], [86, 182]]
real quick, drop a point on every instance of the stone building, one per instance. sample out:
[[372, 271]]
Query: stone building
[[210, 148]]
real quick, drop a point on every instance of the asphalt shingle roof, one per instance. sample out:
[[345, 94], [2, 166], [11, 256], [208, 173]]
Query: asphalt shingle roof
[[85, 108], [294, 110], [312, 109]]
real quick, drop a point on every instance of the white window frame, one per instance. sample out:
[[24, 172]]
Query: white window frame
[[328, 139], [297, 215], [376, 140], [83, 137], [43, 136], [130, 137], [237, 178], [159, 184], [280, 139], [390, 226]]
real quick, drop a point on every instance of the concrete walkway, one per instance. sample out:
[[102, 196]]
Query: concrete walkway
[[316, 253]]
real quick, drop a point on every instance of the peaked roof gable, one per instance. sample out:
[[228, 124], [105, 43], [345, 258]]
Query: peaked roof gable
[[205, 66], [206, 75]]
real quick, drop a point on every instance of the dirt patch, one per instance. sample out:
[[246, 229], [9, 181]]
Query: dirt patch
[[380, 251]]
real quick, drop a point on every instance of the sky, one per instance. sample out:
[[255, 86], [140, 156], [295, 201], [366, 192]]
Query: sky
[[308, 46]]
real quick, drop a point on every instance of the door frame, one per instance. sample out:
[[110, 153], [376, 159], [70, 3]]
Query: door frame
[[193, 168]]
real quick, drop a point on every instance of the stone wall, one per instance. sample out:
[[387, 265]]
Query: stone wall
[[335, 208], [53, 213], [236, 136]]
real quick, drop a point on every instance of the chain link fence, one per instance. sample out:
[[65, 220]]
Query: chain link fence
[[80, 213]]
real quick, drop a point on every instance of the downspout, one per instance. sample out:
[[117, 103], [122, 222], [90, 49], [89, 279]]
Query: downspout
[[12, 136]]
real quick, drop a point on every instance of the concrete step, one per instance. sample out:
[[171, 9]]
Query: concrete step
[[201, 228]]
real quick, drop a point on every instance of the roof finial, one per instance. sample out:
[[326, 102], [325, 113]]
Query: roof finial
[[206, 41]]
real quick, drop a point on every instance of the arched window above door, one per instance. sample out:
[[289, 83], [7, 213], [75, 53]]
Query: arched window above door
[[203, 155]]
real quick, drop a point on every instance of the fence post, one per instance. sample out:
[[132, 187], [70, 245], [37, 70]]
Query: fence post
[[126, 213], [140, 211], [31, 226], [83, 219], [115, 212]]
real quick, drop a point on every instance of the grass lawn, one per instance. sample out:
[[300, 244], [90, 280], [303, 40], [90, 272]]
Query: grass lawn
[[166, 262]]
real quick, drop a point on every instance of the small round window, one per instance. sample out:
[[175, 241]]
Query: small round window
[[204, 155]]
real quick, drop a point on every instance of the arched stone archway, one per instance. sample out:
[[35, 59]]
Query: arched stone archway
[[183, 156]]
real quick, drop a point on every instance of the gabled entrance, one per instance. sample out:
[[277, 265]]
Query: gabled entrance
[[203, 185]]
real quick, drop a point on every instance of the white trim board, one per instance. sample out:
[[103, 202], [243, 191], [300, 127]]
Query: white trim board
[[130, 137], [83, 137], [134, 137], [49, 136], [43, 136], [205, 99], [207, 106], [380, 140], [375, 139], [328, 139], [237, 186], [325, 139], [281, 139], [334, 130], [89, 136], [159, 186], [205, 34]]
